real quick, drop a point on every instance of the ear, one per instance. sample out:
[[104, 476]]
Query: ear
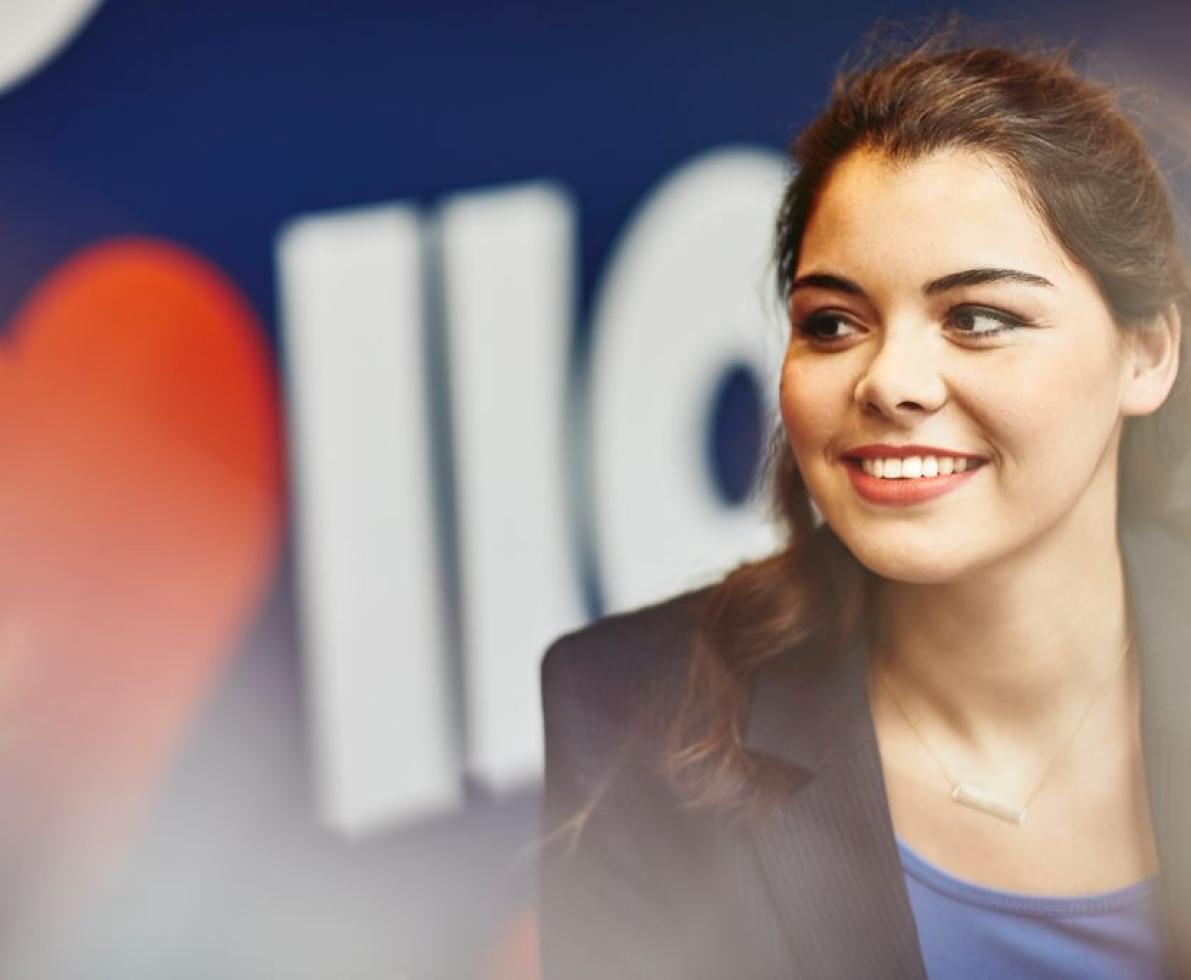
[[1151, 362]]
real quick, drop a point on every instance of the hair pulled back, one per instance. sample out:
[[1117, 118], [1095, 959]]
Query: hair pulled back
[[1088, 174]]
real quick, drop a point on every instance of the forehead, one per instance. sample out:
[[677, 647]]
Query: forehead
[[949, 210]]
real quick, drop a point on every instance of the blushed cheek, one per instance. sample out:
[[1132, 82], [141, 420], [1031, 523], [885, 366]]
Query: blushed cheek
[[785, 398], [1046, 433], [796, 397], [809, 414]]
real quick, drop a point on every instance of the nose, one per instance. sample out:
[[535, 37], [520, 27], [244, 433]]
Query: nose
[[902, 382]]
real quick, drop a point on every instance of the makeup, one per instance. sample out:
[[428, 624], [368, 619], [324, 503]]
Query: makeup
[[904, 475]]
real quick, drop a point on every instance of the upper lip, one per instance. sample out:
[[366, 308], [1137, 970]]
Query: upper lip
[[880, 450]]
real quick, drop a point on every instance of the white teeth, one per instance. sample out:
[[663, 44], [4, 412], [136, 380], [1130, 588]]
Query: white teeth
[[914, 467]]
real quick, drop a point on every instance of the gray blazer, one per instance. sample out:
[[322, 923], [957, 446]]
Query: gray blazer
[[652, 890]]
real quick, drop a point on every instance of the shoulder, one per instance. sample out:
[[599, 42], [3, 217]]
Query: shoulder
[[610, 692], [623, 664], [624, 865], [641, 645]]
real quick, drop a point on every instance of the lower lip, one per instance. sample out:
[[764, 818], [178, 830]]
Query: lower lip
[[902, 493]]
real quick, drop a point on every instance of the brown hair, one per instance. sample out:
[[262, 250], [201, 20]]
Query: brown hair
[[1088, 174]]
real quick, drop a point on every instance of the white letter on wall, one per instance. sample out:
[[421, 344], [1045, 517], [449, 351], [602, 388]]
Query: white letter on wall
[[508, 272], [685, 297], [371, 602]]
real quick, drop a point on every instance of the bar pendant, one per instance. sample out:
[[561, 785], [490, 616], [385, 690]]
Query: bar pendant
[[990, 803]]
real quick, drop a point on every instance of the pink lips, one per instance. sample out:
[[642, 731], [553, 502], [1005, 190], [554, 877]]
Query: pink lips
[[876, 490]]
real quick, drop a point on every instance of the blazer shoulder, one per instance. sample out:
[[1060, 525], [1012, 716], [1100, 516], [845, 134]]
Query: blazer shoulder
[[613, 833], [611, 690], [619, 661]]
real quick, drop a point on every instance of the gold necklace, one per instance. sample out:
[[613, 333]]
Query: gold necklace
[[976, 797]]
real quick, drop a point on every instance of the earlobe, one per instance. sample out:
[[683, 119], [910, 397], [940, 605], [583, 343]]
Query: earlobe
[[1153, 362]]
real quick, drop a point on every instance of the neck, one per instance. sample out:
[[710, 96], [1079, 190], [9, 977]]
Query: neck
[[1003, 649]]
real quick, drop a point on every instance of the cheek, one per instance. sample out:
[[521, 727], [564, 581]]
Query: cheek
[[1068, 398], [1047, 421], [788, 393], [810, 398]]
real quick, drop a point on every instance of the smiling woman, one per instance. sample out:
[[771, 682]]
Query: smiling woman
[[978, 602], [931, 302]]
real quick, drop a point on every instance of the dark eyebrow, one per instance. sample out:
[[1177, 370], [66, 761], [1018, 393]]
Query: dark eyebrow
[[969, 277], [979, 277], [824, 280]]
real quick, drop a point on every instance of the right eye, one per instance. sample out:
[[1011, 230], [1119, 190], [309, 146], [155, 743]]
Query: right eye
[[827, 327]]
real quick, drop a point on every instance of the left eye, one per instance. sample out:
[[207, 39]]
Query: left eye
[[977, 321]]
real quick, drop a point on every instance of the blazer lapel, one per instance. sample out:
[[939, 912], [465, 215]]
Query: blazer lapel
[[1158, 570], [827, 851]]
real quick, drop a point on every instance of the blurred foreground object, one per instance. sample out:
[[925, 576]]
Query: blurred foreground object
[[140, 513]]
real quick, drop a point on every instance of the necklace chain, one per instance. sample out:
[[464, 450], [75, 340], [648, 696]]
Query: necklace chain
[[955, 784]]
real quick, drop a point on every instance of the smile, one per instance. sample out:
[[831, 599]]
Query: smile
[[903, 475], [914, 467]]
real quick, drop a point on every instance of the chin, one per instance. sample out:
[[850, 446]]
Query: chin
[[909, 555], [916, 572]]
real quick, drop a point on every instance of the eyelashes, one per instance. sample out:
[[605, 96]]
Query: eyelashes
[[826, 327], [971, 323], [966, 320]]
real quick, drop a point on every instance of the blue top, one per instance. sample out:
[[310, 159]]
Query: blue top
[[968, 931]]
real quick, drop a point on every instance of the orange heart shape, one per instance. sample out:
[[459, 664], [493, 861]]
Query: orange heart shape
[[141, 509]]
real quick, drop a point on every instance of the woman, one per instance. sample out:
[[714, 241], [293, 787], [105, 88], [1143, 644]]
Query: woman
[[948, 728]]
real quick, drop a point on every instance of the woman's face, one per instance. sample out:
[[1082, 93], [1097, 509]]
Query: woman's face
[[952, 389]]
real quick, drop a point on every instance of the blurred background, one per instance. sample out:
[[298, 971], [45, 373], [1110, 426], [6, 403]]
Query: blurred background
[[350, 352]]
